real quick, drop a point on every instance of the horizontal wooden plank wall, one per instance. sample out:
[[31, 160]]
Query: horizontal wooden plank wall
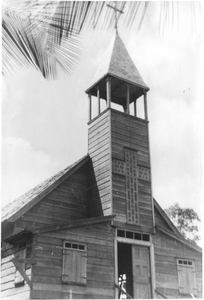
[[47, 273], [130, 132], [167, 250], [99, 175], [8, 270], [67, 202]]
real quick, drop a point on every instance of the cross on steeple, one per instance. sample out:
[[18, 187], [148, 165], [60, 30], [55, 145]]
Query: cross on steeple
[[116, 17]]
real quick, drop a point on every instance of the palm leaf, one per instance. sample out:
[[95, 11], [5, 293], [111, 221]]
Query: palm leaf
[[33, 41], [45, 34]]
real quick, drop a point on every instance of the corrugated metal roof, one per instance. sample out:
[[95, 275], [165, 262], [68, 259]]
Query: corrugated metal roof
[[117, 62], [13, 207]]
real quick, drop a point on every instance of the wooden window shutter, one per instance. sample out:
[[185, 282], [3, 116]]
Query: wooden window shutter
[[181, 279], [74, 268], [187, 279], [18, 277]]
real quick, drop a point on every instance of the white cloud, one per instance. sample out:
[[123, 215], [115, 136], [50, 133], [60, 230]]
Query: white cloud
[[176, 153], [23, 168]]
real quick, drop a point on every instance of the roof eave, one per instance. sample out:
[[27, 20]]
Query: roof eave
[[166, 218], [175, 233], [182, 240], [45, 192], [74, 224], [12, 239], [145, 87]]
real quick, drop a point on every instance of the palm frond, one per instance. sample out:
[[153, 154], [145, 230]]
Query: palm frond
[[45, 34], [33, 41]]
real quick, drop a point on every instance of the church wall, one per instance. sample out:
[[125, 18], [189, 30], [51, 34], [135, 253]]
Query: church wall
[[8, 273], [66, 202], [128, 132], [99, 185], [167, 250], [47, 274]]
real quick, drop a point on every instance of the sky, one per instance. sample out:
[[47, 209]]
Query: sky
[[44, 123]]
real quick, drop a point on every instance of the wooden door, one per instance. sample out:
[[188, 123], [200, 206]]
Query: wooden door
[[141, 272]]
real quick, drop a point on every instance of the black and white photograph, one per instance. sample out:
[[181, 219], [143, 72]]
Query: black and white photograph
[[101, 149]]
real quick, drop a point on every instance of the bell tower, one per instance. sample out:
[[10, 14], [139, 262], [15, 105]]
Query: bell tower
[[118, 143]]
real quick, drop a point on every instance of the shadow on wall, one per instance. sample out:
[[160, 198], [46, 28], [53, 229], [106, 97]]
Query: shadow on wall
[[94, 207]]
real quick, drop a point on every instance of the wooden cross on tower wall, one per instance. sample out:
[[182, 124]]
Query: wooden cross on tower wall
[[116, 17]]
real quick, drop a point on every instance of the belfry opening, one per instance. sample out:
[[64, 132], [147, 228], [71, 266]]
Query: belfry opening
[[117, 84]]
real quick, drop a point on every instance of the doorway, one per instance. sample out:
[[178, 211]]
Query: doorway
[[125, 280], [134, 276]]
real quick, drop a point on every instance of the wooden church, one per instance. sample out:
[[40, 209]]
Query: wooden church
[[94, 229]]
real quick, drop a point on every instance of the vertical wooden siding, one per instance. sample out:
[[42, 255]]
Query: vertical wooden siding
[[100, 264], [67, 202], [167, 250], [99, 186], [130, 132]]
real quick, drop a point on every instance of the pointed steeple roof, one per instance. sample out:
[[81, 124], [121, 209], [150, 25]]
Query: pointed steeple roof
[[117, 63], [122, 66]]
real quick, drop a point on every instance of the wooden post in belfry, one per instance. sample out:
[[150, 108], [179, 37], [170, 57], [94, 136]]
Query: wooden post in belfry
[[108, 91], [128, 99], [135, 107], [89, 112], [145, 105], [99, 101]]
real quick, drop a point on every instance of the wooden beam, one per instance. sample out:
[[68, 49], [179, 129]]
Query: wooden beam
[[160, 294], [75, 223], [128, 99], [22, 272], [145, 106], [133, 242], [116, 262], [152, 263], [133, 227], [135, 107], [99, 100], [146, 119], [108, 91], [89, 112], [111, 162]]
